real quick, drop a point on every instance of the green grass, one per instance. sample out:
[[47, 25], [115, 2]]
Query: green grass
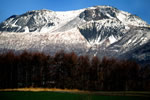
[[63, 96]]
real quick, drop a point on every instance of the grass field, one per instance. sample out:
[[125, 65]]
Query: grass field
[[49, 95]]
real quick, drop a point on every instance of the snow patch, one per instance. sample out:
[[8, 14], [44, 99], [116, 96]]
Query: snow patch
[[112, 39]]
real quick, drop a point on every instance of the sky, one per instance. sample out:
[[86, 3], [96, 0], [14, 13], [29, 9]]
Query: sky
[[8, 8]]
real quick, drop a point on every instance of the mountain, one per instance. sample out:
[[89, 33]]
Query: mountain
[[98, 30]]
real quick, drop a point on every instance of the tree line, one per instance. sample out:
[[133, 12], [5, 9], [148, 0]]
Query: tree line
[[67, 70]]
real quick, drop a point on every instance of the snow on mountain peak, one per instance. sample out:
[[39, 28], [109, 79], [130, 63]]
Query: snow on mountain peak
[[46, 20]]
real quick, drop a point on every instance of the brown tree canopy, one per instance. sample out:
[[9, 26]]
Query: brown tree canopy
[[68, 70]]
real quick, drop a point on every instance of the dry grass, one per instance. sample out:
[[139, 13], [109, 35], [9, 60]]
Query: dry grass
[[41, 89], [107, 93]]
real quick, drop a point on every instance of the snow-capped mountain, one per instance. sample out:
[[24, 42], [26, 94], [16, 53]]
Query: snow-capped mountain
[[38, 21], [98, 30]]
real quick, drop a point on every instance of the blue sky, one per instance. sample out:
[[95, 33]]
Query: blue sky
[[11, 7]]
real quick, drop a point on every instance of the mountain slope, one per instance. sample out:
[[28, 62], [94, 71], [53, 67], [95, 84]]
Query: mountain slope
[[45, 42]]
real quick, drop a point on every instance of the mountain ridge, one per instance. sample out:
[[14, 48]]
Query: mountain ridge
[[47, 18]]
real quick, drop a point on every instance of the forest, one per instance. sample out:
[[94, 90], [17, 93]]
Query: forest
[[70, 71]]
